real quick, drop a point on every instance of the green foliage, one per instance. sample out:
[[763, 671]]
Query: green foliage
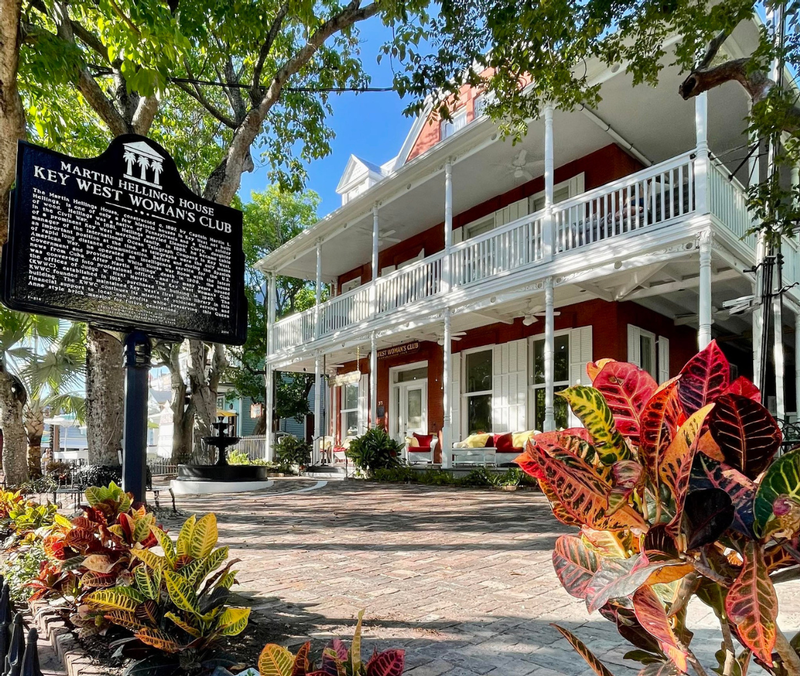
[[21, 566], [293, 451], [241, 458], [176, 601], [374, 449], [336, 659], [673, 514], [476, 478]]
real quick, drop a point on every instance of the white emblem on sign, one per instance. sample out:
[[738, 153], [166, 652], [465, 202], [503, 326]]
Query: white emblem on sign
[[142, 163]]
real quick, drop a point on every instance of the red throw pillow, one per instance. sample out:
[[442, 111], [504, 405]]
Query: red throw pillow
[[504, 443], [424, 439], [490, 441]]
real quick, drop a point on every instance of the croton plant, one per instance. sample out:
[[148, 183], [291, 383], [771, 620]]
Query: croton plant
[[678, 491]]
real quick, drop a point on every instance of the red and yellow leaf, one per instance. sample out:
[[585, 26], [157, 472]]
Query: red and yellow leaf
[[745, 432], [275, 660], [593, 368], [707, 445], [653, 617], [744, 387], [627, 389], [387, 663], [705, 377], [159, 639], [597, 666], [575, 564], [589, 405], [676, 465], [301, 665], [660, 420], [752, 604]]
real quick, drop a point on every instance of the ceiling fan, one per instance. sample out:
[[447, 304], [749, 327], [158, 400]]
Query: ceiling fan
[[521, 165], [455, 335], [531, 315], [384, 236]]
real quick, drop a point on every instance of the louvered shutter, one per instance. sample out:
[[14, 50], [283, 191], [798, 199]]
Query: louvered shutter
[[363, 404], [509, 386], [663, 359], [455, 397], [634, 345], [580, 354]]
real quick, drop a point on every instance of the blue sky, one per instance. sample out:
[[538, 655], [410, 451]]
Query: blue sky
[[370, 125]]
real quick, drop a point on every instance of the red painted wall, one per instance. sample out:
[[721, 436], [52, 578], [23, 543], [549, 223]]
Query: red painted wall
[[600, 167], [609, 323]]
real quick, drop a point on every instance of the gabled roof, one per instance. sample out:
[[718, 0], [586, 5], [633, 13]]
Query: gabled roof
[[357, 168]]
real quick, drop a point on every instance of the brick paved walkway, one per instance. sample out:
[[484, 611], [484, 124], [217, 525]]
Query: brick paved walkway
[[461, 579]]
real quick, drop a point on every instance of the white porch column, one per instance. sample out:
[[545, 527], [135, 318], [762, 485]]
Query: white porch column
[[780, 366], [373, 381], [318, 292], [548, 230], [447, 403], [373, 292], [447, 278], [704, 310], [701, 166], [317, 409], [549, 351], [758, 313], [269, 373]]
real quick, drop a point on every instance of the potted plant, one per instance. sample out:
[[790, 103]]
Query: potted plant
[[374, 449]]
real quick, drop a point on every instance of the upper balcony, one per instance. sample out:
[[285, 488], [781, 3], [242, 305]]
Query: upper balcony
[[660, 199]]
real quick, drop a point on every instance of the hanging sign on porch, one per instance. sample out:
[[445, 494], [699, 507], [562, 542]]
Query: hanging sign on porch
[[397, 350], [120, 241], [351, 378]]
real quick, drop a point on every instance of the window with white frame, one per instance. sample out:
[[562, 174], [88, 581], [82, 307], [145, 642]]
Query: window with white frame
[[478, 106], [560, 381], [561, 191], [450, 127], [350, 285], [478, 390], [349, 410], [649, 352]]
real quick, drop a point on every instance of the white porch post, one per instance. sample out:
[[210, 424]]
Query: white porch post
[[549, 351], [373, 292], [548, 231], [754, 177], [704, 310], [701, 165], [317, 409], [448, 226], [780, 366], [373, 381], [269, 373], [447, 403], [318, 292]]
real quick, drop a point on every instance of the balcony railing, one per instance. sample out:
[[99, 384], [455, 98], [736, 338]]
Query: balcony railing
[[653, 197]]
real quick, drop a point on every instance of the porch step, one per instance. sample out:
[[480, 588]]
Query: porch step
[[324, 472]]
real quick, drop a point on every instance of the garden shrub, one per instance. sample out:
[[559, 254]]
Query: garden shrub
[[293, 451], [373, 450], [336, 659], [676, 493], [175, 603]]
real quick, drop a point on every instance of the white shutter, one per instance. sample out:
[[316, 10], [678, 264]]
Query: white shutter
[[363, 404], [455, 397], [511, 212], [509, 386], [458, 235], [388, 269], [663, 359], [580, 354], [634, 345]]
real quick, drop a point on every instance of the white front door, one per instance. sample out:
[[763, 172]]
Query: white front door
[[411, 401]]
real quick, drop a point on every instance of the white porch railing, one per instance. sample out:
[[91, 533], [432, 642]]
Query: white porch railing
[[657, 194], [504, 249], [297, 329], [345, 310], [416, 282], [728, 202]]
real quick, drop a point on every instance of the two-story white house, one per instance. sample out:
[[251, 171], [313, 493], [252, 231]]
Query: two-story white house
[[472, 278]]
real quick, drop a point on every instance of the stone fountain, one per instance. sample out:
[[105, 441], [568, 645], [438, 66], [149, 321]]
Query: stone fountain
[[220, 477]]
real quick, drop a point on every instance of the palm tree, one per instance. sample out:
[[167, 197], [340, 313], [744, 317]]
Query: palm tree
[[55, 382], [130, 160], [17, 329], [143, 163]]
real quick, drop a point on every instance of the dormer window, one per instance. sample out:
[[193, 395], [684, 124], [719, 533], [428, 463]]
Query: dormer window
[[450, 127], [478, 106]]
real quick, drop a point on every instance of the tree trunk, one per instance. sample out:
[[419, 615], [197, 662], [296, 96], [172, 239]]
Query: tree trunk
[[181, 413], [12, 117], [12, 402], [261, 425], [203, 383], [105, 397], [34, 429]]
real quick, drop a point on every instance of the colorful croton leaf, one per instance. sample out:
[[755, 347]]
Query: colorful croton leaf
[[336, 660], [752, 605], [691, 502], [747, 435], [580, 647], [704, 378], [626, 389]]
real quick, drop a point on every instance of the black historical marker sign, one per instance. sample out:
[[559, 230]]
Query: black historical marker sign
[[121, 242]]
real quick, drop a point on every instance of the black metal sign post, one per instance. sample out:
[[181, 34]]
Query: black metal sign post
[[134, 439], [120, 242]]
